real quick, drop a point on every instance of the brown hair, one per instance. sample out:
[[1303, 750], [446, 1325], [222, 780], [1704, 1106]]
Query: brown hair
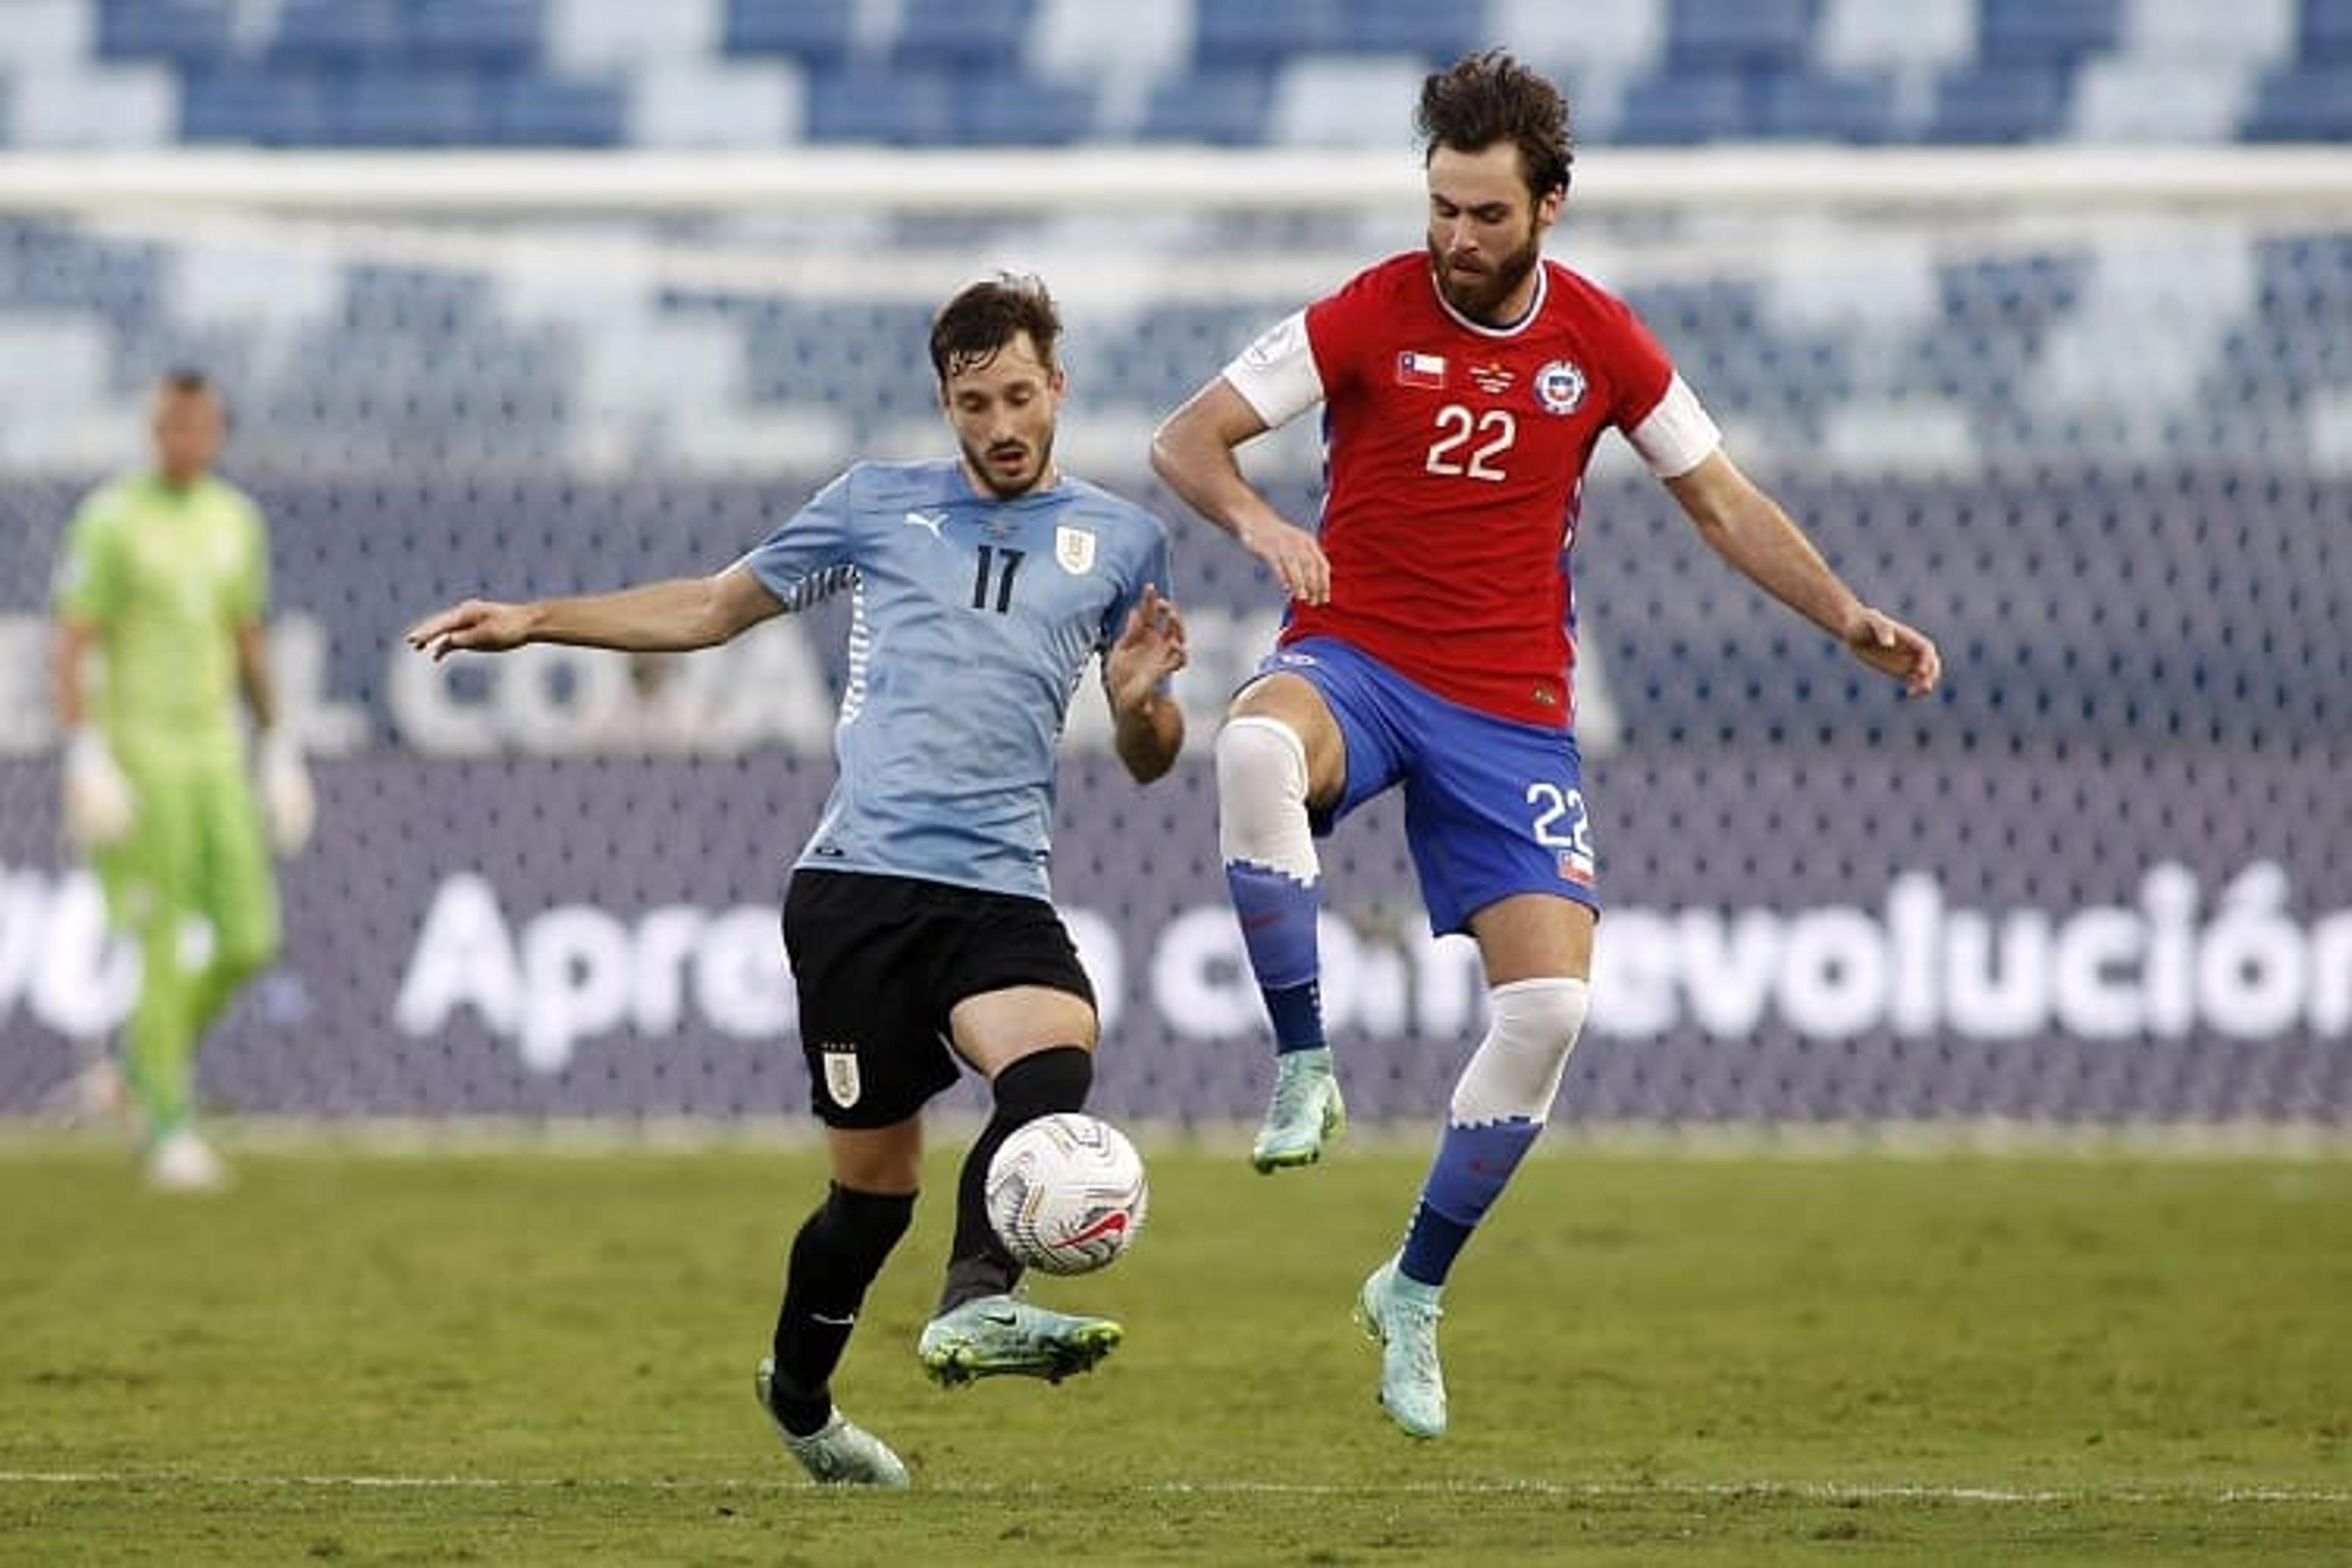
[[1484, 99], [974, 326]]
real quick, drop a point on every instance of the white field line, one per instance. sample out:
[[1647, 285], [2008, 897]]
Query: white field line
[[1794, 1491]]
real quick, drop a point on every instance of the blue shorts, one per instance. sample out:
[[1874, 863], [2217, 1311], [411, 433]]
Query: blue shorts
[[1492, 807]]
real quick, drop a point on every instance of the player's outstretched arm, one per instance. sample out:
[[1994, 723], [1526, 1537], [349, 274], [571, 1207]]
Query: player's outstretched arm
[[672, 616], [1192, 453], [1149, 726], [1749, 530]]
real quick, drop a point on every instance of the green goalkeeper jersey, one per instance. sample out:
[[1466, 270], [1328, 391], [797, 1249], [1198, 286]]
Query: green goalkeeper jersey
[[166, 575]]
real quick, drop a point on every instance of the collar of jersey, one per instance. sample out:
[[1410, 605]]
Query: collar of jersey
[[1535, 307]]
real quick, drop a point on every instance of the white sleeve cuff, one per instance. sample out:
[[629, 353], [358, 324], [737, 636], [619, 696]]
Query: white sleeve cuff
[[1277, 375], [1678, 436]]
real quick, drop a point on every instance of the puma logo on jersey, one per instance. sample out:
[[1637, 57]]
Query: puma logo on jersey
[[933, 521]]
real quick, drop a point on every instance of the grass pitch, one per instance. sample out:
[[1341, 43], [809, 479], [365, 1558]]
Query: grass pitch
[[547, 1358]]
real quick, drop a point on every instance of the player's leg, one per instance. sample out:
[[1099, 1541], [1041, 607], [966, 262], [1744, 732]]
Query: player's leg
[[1497, 816], [1021, 1040], [1282, 755], [1025, 1018], [236, 891], [871, 1069], [149, 879], [836, 1257]]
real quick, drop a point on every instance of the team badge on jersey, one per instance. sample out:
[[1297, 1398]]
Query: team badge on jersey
[[1560, 386], [1420, 369], [1074, 550], [842, 1083]]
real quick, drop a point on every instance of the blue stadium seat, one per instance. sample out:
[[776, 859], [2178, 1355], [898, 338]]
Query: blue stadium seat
[[865, 358], [2045, 32], [1227, 107], [1723, 35], [46, 269], [348, 34], [1157, 359], [2000, 104], [894, 108], [1681, 108], [528, 110], [2015, 301], [248, 105], [405, 108], [818, 33], [187, 32], [964, 34], [1811, 107], [2304, 103], [1439, 34], [1002, 108], [1253, 33], [2324, 35], [492, 34]]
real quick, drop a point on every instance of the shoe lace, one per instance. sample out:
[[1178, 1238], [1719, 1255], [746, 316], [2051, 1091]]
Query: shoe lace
[[1297, 1094], [1413, 1330]]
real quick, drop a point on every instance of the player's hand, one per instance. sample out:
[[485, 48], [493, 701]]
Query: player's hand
[[287, 799], [1151, 648], [1890, 647], [477, 626], [101, 805], [1294, 556]]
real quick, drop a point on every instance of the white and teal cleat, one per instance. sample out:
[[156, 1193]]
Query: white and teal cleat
[[1305, 1113], [1401, 1315], [839, 1454], [1003, 1336]]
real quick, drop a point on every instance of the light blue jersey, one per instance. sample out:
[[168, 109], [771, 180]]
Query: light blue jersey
[[973, 621]]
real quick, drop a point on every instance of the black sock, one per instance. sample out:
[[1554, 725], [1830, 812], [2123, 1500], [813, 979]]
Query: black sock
[[839, 1251], [1039, 1084]]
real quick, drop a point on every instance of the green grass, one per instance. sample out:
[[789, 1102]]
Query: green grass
[[546, 1358]]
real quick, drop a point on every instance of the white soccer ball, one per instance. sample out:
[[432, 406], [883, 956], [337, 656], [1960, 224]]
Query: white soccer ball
[[1066, 1193]]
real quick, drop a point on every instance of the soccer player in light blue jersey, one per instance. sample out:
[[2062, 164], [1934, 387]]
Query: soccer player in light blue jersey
[[918, 920]]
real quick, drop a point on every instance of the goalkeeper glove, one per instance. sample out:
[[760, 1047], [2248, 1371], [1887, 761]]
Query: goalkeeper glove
[[287, 798], [101, 805]]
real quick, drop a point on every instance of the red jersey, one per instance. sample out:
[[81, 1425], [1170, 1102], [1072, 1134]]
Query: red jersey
[[1455, 455]]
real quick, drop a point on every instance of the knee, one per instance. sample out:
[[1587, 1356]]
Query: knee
[[863, 1224], [1261, 778], [240, 960], [1260, 759], [1056, 1078], [1515, 1074]]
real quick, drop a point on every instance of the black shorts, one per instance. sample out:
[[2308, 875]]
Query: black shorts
[[880, 962]]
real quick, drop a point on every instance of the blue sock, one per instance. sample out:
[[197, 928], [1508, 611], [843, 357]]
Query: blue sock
[[1278, 914], [1473, 1167]]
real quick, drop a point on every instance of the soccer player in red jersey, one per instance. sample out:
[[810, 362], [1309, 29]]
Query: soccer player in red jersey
[[1430, 638]]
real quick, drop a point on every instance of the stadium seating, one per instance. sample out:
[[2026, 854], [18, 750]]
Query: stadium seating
[[1219, 72]]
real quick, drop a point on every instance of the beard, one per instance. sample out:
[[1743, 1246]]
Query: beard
[[1479, 295], [999, 482]]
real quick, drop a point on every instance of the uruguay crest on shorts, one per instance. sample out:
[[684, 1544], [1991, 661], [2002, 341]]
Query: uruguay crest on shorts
[[841, 1080]]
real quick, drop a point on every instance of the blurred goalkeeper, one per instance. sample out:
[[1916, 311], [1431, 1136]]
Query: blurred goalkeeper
[[920, 923], [160, 596]]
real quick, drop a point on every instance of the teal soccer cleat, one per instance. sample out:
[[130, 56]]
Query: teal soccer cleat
[[839, 1454], [1003, 1336], [1306, 1112], [1401, 1315]]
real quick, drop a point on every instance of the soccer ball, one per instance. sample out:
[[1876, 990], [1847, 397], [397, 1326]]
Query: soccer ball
[[1066, 1193]]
